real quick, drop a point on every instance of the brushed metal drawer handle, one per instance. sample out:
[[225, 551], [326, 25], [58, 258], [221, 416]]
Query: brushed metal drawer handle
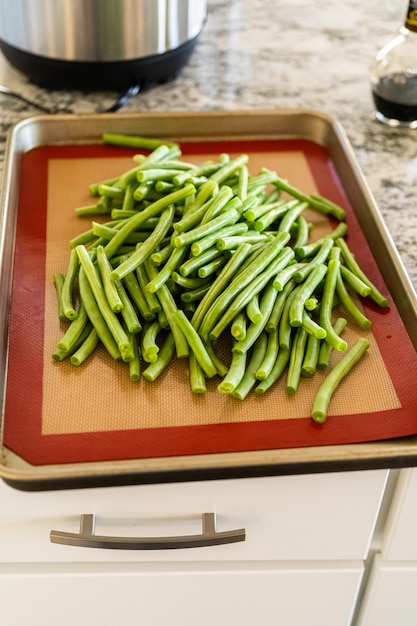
[[86, 538]]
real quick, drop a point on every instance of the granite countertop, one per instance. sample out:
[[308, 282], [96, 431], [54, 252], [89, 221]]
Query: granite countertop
[[267, 54]]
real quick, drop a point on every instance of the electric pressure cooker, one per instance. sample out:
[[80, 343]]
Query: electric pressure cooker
[[99, 44]]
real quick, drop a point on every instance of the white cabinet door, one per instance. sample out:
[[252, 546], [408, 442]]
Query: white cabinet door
[[391, 595], [311, 517], [400, 541], [155, 597]]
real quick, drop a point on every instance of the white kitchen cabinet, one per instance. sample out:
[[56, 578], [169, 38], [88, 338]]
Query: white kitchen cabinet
[[400, 538], [302, 560], [291, 595], [312, 517], [391, 593]]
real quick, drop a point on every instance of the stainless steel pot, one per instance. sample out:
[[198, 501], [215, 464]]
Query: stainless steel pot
[[99, 44]]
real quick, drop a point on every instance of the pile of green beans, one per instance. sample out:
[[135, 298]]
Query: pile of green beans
[[190, 257]]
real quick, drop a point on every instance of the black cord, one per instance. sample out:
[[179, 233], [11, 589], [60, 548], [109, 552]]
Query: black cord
[[124, 98], [120, 102]]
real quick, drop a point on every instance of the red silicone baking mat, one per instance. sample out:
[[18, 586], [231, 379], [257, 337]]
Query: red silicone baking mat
[[56, 413]]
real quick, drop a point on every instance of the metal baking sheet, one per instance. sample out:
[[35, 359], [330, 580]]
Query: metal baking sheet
[[227, 126]]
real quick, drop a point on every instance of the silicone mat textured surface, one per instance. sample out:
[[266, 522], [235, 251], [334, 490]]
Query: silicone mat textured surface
[[57, 413]]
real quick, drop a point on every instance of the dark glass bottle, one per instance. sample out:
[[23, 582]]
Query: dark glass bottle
[[394, 75]]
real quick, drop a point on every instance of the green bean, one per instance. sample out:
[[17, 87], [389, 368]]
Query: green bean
[[220, 366], [255, 329], [59, 279], [134, 363], [221, 281], [233, 241], [242, 190], [220, 203], [157, 173], [311, 356], [311, 304], [320, 257], [212, 267], [205, 169], [303, 232], [147, 247], [275, 316], [290, 217], [197, 377], [193, 264], [355, 282], [136, 142], [235, 373], [312, 327], [253, 310], [109, 286], [229, 168], [278, 369], [327, 206], [326, 306], [128, 311], [131, 284], [270, 216], [259, 208], [331, 209], [285, 329], [286, 275], [86, 348], [195, 343], [161, 255], [169, 307], [83, 239], [207, 194], [109, 316], [195, 294], [189, 282], [93, 188], [111, 191], [165, 354], [197, 247], [152, 301], [162, 186], [103, 207], [224, 219], [305, 250], [325, 348], [150, 347], [239, 326], [249, 379], [248, 292], [352, 264], [240, 282], [74, 330], [140, 218], [334, 378], [296, 360], [271, 353], [350, 306], [306, 290], [62, 353], [175, 258], [67, 303], [95, 316]]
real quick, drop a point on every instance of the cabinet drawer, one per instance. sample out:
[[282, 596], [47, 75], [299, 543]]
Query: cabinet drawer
[[107, 596], [391, 595], [400, 536], [312, 517]]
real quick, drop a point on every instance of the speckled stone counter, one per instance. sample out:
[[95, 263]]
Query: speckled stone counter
[[267, 54]]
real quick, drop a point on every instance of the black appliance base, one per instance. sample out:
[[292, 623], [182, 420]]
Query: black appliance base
[[99, 76]]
